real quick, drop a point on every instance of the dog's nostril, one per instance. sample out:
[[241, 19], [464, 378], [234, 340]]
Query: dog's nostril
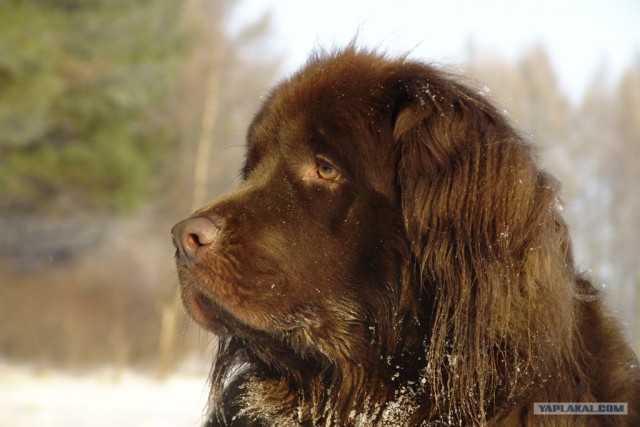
[[190, 235], [193, 240]]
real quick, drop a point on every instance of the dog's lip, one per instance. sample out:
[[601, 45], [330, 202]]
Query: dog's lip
[[207, 314]]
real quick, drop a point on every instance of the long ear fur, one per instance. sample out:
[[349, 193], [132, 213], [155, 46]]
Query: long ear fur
[[491, 251]]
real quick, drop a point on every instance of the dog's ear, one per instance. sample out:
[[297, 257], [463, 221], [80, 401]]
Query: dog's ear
[[488, 243], [466, 178], [456, 159]]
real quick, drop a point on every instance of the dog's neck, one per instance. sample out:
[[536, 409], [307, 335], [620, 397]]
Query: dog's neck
[[341, 397], [367, 390]]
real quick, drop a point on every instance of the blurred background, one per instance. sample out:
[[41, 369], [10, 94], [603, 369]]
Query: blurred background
[[105, 105]]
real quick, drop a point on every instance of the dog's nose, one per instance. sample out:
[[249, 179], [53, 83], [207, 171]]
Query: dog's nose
[[190, 236]]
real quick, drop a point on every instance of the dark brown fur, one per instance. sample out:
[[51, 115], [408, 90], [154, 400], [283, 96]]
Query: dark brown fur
[[431, 283]]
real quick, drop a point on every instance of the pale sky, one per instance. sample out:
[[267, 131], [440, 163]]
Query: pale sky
[[581, 36]]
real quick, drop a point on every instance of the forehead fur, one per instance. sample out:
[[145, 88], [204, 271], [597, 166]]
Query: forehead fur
[[348, 76], [333, 84], [346, 100]]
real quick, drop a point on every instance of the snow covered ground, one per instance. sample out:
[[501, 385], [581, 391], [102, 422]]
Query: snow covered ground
[[30, 398]]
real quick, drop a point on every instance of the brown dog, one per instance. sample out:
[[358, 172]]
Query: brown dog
[[395, 256]]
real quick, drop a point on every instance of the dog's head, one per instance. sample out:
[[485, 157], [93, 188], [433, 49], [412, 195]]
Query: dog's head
[[386, 213], [311, 248]]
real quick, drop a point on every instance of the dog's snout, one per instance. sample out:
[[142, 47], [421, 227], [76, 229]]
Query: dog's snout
[[190, 236]]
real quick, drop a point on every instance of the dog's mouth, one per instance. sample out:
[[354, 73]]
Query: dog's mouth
[[208, 314]]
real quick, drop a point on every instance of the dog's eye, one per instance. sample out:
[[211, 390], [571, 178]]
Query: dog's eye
[[327, 171]]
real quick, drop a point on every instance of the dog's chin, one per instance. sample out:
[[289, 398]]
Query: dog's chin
[[208, 314]]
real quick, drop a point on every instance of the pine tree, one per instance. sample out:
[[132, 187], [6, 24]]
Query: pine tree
[[84, 89]]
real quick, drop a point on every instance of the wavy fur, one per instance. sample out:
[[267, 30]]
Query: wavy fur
[[445, 288]]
